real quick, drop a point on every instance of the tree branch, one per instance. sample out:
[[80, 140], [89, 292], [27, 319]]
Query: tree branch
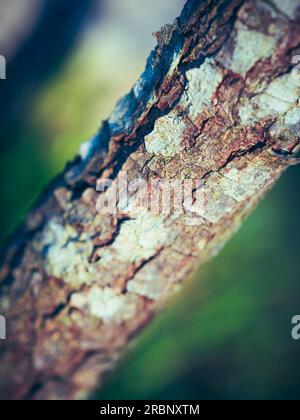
[[217, 103]]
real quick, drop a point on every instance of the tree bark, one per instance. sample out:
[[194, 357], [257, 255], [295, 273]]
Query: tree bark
[[218, 102]]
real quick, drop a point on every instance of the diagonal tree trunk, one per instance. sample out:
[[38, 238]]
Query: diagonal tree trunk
[[218, 104]]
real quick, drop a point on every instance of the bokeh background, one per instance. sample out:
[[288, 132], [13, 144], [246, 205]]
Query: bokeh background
[[228, 334]]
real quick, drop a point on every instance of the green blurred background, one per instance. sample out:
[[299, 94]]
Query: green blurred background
[[228, 334]]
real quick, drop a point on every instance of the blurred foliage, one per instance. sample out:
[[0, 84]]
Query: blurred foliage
[[228, 335]]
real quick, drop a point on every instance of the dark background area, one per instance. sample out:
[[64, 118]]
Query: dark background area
[[228, 334]]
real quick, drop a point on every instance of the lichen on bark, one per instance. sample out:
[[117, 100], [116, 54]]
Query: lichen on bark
[[218, 102]]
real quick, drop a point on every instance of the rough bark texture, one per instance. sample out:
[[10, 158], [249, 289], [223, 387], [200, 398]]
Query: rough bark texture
[[219, 102]]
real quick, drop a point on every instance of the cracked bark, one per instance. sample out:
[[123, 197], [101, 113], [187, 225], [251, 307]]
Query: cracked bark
[[219, 102]]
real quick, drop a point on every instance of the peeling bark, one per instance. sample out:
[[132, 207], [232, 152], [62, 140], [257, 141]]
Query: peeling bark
[[218, 102]]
